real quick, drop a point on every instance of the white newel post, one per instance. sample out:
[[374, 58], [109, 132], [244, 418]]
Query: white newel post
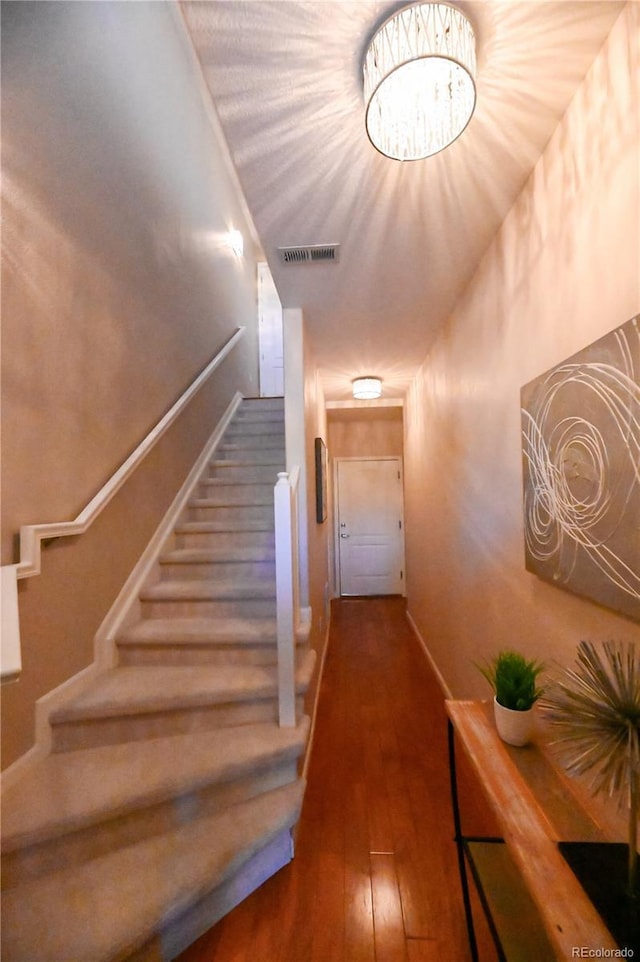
[[286, 537]]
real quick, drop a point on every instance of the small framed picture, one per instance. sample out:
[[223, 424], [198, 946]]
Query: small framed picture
[[321, 480]]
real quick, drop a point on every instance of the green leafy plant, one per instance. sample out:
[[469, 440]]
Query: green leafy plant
[[514, 680], [595, 709]]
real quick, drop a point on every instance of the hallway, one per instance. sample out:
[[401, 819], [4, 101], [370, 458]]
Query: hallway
[[375, 876]]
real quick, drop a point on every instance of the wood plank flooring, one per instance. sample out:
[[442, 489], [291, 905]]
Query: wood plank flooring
[[375, 875]]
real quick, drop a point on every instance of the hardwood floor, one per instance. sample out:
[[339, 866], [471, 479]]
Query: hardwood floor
[[375, 874]]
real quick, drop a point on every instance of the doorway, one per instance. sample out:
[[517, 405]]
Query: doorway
[[270, 335], [369, 526]]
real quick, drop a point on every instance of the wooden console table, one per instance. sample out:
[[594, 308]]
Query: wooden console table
[[536, 908]]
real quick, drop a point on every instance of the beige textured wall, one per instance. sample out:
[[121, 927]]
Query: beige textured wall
[[362, 439], [563, 271], [116, 292]]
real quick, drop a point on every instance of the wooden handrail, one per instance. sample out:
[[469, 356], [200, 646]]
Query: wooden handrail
[[32, 535], [287, 591]]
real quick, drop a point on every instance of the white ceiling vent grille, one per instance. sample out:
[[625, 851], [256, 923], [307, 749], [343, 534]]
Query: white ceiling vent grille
[[309, 254]]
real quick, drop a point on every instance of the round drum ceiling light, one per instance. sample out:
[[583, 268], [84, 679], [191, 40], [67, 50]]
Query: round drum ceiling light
[[419, 81], [367, 388]]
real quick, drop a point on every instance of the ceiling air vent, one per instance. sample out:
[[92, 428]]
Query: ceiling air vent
[[310, 254]]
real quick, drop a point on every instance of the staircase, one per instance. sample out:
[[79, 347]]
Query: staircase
[[170, 792]]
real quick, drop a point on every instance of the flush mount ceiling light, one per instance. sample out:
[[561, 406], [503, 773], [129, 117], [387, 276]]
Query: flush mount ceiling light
[[419, 85], [367, 388]]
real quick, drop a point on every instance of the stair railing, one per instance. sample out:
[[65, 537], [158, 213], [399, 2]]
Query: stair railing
[[287, 591], [32, 535]]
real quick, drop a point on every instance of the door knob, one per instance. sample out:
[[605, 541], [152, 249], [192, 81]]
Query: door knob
[[344, 535]]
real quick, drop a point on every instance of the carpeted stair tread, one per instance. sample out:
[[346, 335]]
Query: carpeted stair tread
[[272, 415], [131, 690], [267, 456], [213, 555], [70, 791], [159, 688], [243, 492], [115, 903], [210, 590], [221, 501], [275, 414], [213, 527], [240, 483], [270, 431], [270, 449], [238, 631], [264, 427], [270, 439]]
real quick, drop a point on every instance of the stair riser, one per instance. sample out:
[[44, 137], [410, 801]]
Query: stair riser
[[256, 429], [115, 831], [176, 655], [251, 455], [265, 414], [180, 932], [238, 493], [230, 608], [224, 539], [248, 411], [255, 404], [252, 450], [263, 513], [89, 733], [267, 473], [251, 435], [255, 434], [219, 570]]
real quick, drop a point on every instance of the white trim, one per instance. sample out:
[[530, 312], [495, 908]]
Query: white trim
[[121, 612], [443, 685], [295, 431], [69, 689], [125, 609], [285, 502], [43, 735], [316, 700], [32, 535], [10, 655]]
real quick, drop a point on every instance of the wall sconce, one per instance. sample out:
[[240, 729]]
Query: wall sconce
[[235, 242]]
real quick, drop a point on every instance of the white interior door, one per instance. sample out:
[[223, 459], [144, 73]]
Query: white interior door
[[270, 335], [370, 526]]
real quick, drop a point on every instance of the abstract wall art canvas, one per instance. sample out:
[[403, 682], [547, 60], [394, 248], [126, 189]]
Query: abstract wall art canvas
[[581, 472]]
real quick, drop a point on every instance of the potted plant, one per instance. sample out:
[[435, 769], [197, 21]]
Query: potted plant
[[594, 709], [514, 681]]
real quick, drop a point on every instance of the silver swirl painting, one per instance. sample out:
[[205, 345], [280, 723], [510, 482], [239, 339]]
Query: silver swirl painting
[[581, 472]]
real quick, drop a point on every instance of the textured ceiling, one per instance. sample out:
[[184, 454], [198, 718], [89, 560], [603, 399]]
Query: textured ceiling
[[285, 78]]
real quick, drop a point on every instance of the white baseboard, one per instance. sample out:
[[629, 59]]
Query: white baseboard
[[443, 685], [312, 729], [123, 610]]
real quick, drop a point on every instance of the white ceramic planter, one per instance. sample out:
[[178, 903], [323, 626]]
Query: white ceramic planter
[[514, 727]]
